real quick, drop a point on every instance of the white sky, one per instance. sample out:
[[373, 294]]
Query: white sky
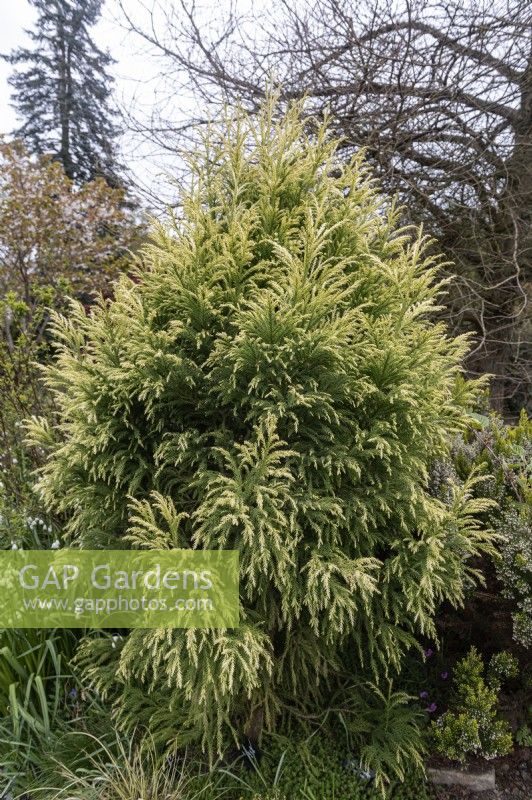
[[16, 15]]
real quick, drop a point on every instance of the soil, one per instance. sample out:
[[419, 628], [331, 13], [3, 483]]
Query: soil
[[513, 776]]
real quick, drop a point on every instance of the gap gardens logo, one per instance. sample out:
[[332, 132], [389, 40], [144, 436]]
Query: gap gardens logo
[[119, 589]]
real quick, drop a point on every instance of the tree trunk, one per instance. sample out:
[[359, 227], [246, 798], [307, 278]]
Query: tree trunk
[[65, 94], [508, 267], [255, 725]]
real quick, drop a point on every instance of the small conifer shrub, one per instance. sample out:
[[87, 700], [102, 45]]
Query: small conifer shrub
[[471, 727], [269, 381]]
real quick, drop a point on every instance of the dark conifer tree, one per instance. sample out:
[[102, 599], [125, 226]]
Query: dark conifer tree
[[62, 91]]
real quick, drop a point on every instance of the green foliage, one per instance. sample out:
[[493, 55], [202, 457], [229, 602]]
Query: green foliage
[[514, 568], [471, 727], [87, 766], [22, 344], [108, 768], [270, 381], [523, 736], [384, 730], [34, 683], [502, 667], [316, 767], [504, 454]]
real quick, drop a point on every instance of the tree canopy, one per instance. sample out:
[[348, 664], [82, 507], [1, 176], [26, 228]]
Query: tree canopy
[[62, 91]]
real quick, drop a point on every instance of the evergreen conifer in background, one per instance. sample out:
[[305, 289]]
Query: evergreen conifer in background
[[62, 91], [269, 381]]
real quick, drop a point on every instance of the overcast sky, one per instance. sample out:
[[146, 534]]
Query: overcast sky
[[16, 15]]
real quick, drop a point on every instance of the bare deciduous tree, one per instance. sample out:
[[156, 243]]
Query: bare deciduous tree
[[439, 94]]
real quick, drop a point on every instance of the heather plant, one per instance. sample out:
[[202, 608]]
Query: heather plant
[[503, 452], [514, 568], [269, 380], [503, 455], [500, 452]]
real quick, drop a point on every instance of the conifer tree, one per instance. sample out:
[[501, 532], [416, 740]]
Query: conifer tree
[[62, 91], [270, 381]]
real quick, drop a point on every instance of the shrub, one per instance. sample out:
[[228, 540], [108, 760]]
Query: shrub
[[52, 230], [270, 381], [471, 727], [514, 568], [503, 453]]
